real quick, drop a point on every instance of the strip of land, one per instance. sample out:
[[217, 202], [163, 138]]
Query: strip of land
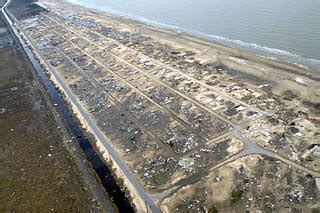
[[44, 168], [177, 114], [37, 171]]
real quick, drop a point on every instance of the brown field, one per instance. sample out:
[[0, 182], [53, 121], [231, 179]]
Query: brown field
[[37, 172], [200, 130]]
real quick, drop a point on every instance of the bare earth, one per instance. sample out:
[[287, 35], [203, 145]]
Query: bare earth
[[37, 173], [201, 126]]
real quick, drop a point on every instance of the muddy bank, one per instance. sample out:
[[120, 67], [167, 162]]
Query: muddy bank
[[102, 172], [168, 108], [37, 171], [94, 161]]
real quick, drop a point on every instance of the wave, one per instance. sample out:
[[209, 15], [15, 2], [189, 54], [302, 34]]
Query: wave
[[267, 51]]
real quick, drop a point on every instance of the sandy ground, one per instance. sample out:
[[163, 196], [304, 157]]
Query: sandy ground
[[252, 68], [230, 189], [283, 75]]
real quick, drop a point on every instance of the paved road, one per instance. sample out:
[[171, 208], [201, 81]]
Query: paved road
[[144, 72], [90, 123], [99, 135], [170, 112], [250, 148], [71, 145], [163, 65]]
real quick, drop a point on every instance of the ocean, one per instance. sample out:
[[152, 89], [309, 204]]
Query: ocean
[[287, 29]]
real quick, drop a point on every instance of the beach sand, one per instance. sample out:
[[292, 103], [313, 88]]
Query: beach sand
[[251, 66]]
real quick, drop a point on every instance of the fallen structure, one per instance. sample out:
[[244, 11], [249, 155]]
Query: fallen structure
[[176, 121]]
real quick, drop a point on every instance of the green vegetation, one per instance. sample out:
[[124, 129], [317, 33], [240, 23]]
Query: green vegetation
[[161, 177], [213, 210], [236, 196]]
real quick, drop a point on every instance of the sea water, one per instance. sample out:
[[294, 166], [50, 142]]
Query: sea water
[[288, 29]]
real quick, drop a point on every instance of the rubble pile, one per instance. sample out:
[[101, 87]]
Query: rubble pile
[[172, 117]]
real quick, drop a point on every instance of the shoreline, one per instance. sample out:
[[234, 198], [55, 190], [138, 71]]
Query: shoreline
[[253, 48], [130, 65], [285, 75]]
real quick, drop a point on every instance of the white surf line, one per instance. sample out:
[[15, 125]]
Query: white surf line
[[160, 64], [237, 128]]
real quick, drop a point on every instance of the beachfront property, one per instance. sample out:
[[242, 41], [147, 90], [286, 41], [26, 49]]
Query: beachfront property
[[196, 122]]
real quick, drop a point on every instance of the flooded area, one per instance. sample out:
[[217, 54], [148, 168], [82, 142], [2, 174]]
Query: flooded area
[[37, 172], [175, 113], [288, 29], [177, 118], [36, 136]]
